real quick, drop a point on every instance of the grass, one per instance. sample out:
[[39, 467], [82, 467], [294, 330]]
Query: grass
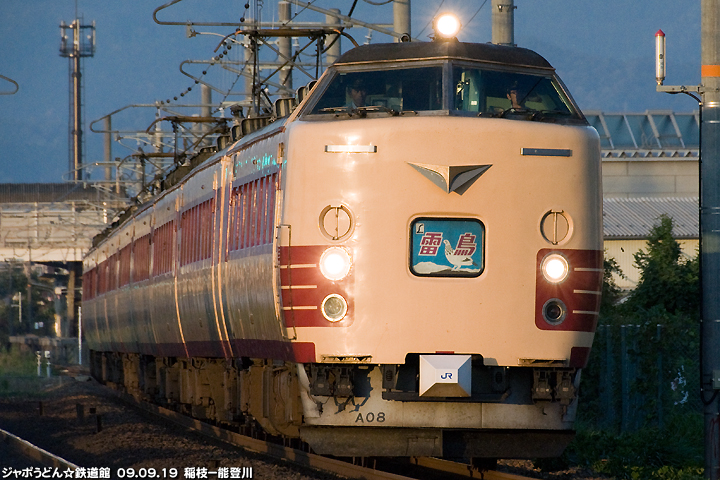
[[672, 453], [18, 374], [17, 364]]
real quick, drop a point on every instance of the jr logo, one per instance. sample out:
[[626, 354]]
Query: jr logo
[[446, 375]]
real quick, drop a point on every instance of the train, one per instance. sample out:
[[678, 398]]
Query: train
[[407, 262]]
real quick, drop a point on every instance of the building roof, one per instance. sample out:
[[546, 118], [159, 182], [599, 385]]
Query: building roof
[[47, 193], [633, 218]]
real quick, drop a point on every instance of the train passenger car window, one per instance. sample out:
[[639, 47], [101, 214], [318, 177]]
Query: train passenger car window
[[102, 277], [141, 258], [515, 95], [89, 283], [252, 213], [113, 272], [196, 232], [207, 225], [125, 265], [163, 248], [389, 91]]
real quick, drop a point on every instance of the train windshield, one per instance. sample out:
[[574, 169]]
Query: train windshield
[[509, 94], [474, 90], [391, 91]]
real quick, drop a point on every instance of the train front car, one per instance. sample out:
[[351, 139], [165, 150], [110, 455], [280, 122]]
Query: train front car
[[441, 251]]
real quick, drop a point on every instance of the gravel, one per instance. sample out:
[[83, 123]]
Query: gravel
[[128, 438]]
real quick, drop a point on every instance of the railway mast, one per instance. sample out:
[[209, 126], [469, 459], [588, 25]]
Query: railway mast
[[77, 42]]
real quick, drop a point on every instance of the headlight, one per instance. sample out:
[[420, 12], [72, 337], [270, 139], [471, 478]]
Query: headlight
[[334, 307], [335, 263], [446, 26], [555, 268], [554, 311]]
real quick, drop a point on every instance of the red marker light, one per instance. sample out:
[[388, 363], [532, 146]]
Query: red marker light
[[660, 57]]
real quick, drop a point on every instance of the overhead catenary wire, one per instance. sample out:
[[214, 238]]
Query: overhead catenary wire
[[475, 14]]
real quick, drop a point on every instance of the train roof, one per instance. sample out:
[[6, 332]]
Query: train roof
[[485, 52]]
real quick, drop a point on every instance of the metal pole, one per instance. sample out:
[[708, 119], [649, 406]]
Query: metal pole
[[79, 335], [401, 17], [503, 22], [624, 381], [285, 45], [710, 230], [333, 41], [659, 379], [205, 111], [107, 126], [29, 305], [609, 391], [70, 299], [250, 79], [77, 107]]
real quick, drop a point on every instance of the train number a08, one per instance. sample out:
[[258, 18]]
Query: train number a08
[[370, 417]]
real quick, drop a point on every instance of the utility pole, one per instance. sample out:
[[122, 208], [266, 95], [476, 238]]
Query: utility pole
[[401, 17], [710, 230], [332, 41], [709, 103], [503, 22]]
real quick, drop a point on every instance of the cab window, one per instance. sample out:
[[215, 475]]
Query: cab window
[[509, 94], [392, 91]]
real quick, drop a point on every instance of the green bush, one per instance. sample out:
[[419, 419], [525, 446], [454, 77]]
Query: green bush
[[660, 435], [17, 364]]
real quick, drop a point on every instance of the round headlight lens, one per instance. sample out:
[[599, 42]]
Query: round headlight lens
[[554, 311], [334, 307], [335, 263], [555, 268], [447, 25]]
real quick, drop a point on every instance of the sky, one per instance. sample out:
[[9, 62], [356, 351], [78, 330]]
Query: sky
[[603, 50]]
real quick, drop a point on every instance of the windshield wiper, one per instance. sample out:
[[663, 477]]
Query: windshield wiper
[[377, 108], [517, 111], [541, 114], [361, 111], [337, 110]]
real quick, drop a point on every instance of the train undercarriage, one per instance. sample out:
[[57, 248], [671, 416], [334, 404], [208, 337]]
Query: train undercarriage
[[335, 408]]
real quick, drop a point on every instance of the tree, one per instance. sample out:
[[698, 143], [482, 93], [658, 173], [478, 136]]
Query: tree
[[667, 279], [13, 280]]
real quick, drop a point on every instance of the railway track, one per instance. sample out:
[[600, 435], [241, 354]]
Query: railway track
[[139, 436], [424, 467], [12, 446]]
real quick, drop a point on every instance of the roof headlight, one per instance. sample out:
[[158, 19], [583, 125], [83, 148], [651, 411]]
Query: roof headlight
[[446, 26], [555, 268], [335, 263]]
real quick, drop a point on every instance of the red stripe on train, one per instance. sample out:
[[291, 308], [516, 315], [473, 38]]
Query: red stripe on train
[[304, 288], [580, 291]]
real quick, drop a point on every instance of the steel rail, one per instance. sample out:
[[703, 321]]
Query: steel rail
[[462, 469], [33, 452]]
